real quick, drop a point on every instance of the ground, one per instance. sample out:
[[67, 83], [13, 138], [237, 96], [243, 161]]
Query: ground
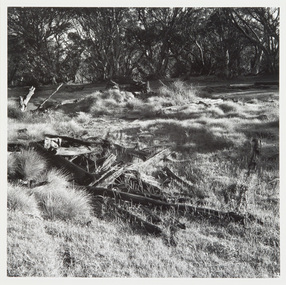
[[209, 126]]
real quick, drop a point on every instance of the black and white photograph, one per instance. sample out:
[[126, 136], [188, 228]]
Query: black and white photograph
[[142, 142]]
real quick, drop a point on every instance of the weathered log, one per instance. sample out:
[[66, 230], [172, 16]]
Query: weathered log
[[24, 101], [135, 192], [78, 174], [197, 211], [42, 104], [149, 227], [73, 151]]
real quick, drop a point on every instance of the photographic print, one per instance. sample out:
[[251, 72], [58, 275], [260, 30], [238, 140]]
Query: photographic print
[[143, 142]]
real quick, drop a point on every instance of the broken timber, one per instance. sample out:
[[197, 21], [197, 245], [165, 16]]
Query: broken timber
[[42, 104], [79, 175], [199, 211]]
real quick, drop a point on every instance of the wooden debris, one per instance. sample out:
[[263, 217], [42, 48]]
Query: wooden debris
[[24, 101], [109, 177], [78, 174], [42, 104], [68, 141], [197, 211]]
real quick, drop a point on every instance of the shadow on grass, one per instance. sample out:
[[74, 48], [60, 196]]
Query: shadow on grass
[[262, 130], [187, 138]]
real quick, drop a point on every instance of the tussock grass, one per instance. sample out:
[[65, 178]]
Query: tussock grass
[[69, 128], [26, 165], [179, 92], [18, 199], [83, 118], [58, 200]]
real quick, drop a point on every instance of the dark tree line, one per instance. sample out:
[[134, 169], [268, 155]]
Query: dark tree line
[[51, 45]]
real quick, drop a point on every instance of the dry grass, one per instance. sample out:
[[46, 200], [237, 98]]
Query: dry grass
[[26, 165], [30, 251], [179, 93], [59, 200], [211, 146], [19, 199]]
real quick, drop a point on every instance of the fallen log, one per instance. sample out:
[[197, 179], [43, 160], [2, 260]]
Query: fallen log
[[136, 192], [42, 104], [197, 211], [78, 174], [73, 151], [24, 101]]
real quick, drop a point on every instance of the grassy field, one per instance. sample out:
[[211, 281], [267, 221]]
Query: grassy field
[[208, 125]]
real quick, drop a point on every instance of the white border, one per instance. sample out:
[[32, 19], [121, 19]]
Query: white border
[[135, 3]]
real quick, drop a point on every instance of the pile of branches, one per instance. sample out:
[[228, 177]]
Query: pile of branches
[[114, 177]]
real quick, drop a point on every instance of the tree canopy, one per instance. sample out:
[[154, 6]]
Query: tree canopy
[[50, 45]]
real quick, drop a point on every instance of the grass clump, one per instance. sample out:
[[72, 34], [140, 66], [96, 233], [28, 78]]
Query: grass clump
[[58, 200], [18, 199], [26, 165], [179, 92]]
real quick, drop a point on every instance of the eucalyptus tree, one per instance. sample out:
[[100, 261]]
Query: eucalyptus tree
[[260, 26], [103, 33], [37, 41]]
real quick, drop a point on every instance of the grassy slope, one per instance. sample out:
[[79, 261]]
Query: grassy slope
[[211, 143]]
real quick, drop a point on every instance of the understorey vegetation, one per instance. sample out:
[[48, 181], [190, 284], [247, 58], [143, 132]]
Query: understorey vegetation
[[178, 181]]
